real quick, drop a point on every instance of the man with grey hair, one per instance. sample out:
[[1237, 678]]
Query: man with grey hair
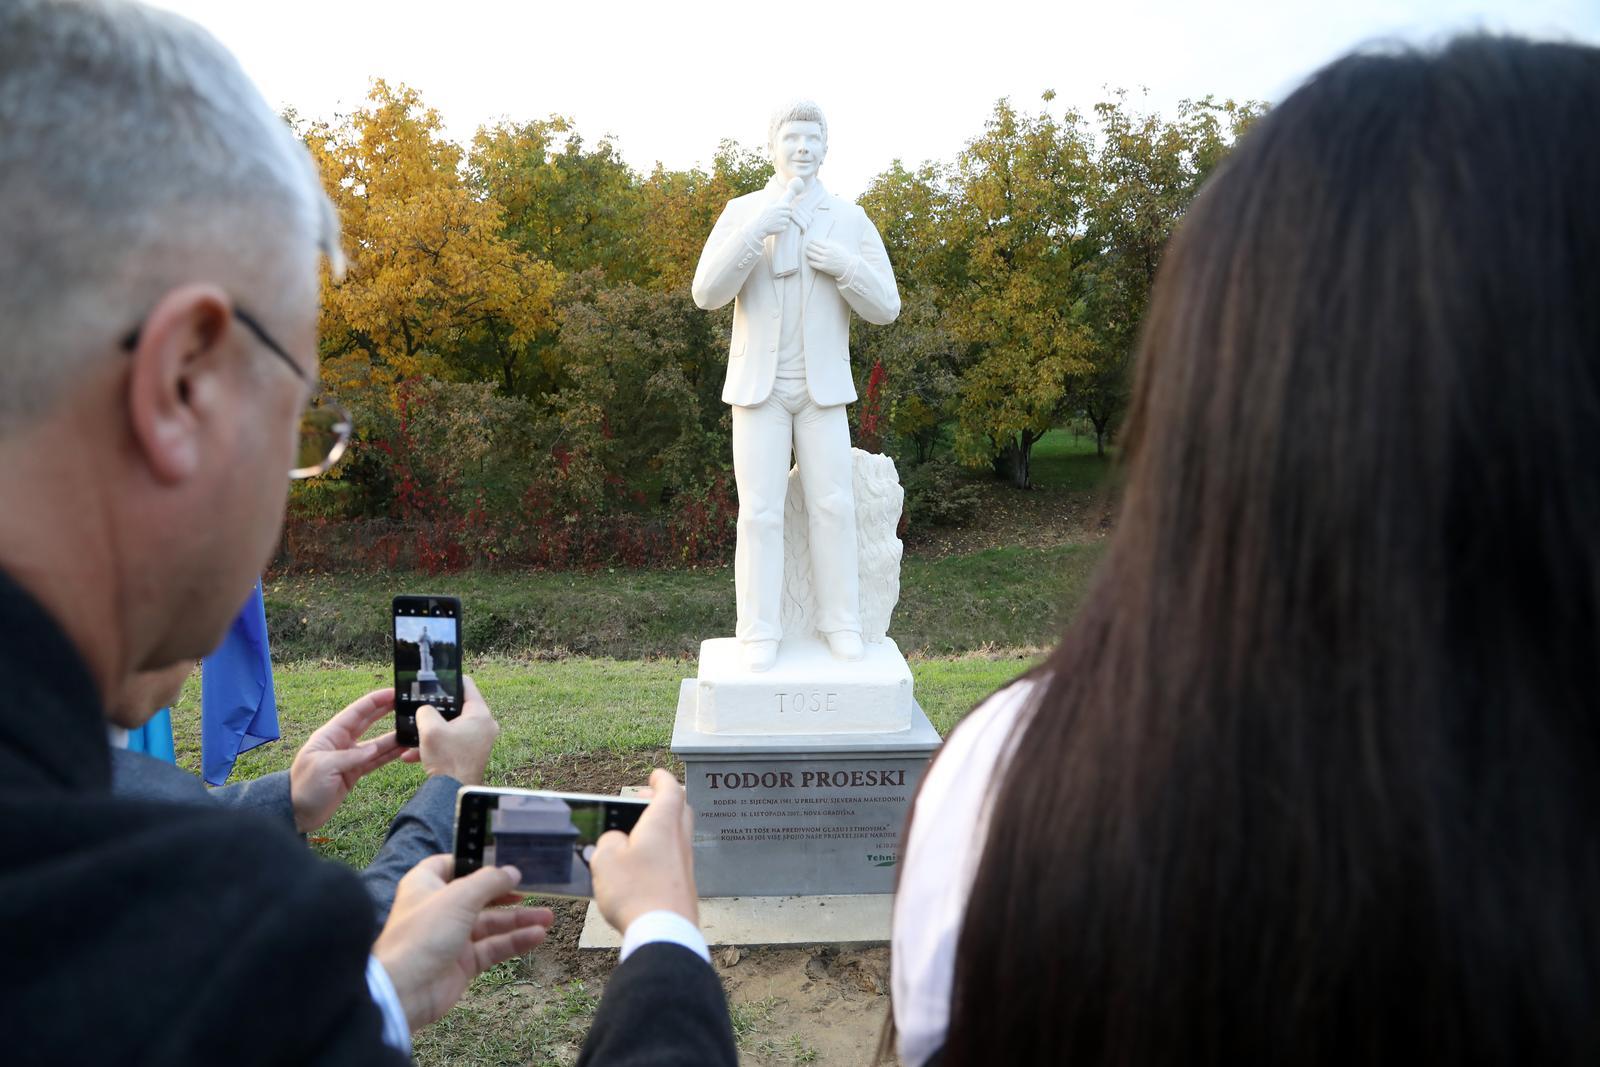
[[789, 376], [160, 238]]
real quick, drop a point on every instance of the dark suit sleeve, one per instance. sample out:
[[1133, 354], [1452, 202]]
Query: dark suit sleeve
[[226, 941], [137, 776], [663, 1007], [424, 827], [267, 795], [290, 948]]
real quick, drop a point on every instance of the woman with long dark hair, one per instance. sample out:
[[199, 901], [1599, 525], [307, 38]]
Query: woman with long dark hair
[[1314, 776]]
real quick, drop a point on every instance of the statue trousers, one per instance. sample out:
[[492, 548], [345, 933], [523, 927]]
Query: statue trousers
[[763, 437]]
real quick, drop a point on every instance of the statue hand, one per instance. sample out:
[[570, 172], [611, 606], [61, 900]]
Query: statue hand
[[829, 257], [775, 219]]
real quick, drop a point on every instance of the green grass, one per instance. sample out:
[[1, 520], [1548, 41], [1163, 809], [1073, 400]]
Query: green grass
[[998, 598], [490, 1027], [750, 1018], [546, 710], [1064, 460]]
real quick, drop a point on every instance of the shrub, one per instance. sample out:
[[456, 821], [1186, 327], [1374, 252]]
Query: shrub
[[940, 493]]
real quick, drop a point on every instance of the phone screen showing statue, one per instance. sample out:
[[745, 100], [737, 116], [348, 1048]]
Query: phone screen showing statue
[[427, 660], [550, 839]]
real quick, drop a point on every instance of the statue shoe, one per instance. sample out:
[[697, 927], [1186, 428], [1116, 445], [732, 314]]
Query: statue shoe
[[846, 644], [760, 655]]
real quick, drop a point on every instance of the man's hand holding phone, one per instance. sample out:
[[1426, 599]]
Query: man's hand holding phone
[[652, 867], [335, 758], [456, 747], [445, 931]]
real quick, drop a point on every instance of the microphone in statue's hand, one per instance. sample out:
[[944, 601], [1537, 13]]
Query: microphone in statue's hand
[[796, 187]]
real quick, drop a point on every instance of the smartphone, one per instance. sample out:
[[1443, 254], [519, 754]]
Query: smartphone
[[427, 660], [549, 837]]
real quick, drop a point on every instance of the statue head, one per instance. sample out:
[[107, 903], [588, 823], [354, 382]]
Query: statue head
[[798, 139]]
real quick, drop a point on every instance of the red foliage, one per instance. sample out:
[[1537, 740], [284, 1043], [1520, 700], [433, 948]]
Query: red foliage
[[869, 428], [426, 531], [698, 528]]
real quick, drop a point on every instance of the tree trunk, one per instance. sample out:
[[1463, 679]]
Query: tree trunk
[[1013, 462], [1100, 426]]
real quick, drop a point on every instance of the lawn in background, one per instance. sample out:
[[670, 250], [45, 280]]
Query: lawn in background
[[996, 598], [1065, 460]]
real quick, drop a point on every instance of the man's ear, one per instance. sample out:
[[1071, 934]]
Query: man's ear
[[172, 371]]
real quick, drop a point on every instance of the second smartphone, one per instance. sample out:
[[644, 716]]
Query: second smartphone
[[549, 837], [427, 660]]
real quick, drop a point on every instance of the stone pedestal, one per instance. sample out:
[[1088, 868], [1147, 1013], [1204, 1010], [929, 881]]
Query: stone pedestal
[[798, 813], [807, 691], [425, 686]]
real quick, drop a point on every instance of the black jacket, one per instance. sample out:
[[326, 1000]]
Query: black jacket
[[151, 933], [169, 934], [664, 1007]]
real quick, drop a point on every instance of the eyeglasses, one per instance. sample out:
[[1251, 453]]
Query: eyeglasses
[[325, 427]]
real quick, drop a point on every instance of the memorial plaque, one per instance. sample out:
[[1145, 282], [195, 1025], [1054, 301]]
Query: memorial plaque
[[799, 815]]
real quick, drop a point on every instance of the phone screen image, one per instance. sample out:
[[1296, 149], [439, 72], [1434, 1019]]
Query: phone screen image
[[427, 656], [548, 837]]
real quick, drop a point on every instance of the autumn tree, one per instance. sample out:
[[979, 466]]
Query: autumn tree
[[572, 205], [640, 410], [1146, 172], [516, 334], [1018, 199], [681, 207], [433, 278], [919, 355]]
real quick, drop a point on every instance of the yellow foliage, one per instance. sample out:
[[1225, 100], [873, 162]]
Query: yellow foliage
[[430, 269]]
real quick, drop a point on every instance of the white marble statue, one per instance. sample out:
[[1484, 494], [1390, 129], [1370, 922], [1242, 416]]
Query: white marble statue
[[795, 260], [425, 651]]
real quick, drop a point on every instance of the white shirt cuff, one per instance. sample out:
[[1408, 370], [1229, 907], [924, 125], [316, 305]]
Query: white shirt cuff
[[396, 1031], [666, 926]]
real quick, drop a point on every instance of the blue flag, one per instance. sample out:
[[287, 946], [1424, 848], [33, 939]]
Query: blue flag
[[237, 708], [154, 738]]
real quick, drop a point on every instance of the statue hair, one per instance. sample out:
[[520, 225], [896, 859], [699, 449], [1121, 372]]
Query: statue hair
[[801, 110]]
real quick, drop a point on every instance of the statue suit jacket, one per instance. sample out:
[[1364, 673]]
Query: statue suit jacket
[[734, 266], [423, 827]]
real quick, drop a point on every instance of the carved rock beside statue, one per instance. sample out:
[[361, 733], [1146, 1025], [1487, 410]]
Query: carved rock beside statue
[[879, 501]]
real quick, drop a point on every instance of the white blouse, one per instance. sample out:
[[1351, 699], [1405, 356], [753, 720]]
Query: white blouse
[[948, 828]]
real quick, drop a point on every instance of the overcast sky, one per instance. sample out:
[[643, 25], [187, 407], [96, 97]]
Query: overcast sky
[[911, 81], [410, 627]]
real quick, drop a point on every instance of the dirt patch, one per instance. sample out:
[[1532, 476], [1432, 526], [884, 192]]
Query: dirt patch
[[594, 772], [819, 1005], [1019, 518], [815, 1005]]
